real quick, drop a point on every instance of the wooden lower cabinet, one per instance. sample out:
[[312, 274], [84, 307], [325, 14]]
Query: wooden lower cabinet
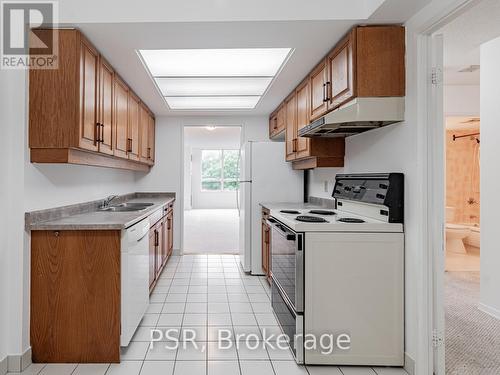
[[160, 245], [75, 296]]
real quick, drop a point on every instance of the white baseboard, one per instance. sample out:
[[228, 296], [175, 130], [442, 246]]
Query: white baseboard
[[489, 310], [409, 364], [18, 362], [3, 366]]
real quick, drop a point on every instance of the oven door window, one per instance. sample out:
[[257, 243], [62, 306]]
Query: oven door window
[[283, 258]]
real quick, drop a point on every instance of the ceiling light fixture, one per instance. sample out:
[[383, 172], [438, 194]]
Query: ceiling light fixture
[[209, 79], [210, 128]]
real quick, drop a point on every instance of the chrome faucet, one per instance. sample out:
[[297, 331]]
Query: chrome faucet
[[108, 200]]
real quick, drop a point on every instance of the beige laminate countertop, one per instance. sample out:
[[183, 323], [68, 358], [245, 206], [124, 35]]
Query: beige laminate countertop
[[105, 220]]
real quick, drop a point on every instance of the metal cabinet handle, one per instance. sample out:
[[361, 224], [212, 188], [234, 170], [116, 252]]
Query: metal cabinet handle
[[97, 132], [129, 147], [102, 133], [327, 97], [157, 240]]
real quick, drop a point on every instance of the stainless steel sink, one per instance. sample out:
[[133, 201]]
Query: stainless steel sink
[[135, 204], [127, 207]]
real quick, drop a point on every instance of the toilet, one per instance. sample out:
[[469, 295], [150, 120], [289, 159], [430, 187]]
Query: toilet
[[455, 233]]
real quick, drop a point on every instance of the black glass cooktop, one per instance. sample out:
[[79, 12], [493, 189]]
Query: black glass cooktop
[[322, 212], [310, 219], [350, 220]]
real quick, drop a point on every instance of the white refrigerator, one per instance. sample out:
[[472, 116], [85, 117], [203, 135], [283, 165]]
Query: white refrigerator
[[265, 176]]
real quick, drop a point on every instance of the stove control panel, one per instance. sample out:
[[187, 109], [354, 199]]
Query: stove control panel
[[384, 189]]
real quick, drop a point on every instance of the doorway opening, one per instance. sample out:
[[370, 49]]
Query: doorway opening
[[211, 179], [468, 287]]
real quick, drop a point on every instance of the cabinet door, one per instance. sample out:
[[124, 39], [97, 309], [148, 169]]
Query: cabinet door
[[159, 245], [105, 107], [291, 127], [120, 118], [165, 243], [302, 95], [133, 126], [151, 139], [273, 124], [340, 85], [144, 127], [317, 81], [89, 62], [170, 230], [152, 256]]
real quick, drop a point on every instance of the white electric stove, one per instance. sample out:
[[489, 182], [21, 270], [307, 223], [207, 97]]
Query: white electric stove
[[341, 270]]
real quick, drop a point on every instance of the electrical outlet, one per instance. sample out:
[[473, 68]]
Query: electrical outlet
[[325, 186]]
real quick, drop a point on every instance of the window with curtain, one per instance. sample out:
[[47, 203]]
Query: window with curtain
[[219, 170]]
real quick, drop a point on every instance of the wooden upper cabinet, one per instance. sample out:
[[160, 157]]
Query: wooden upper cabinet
[[317, 82], [120, 118], [144, 126], [277, 122], [79, 112], [340, 83], [133, 126], [302, 94], [380, 61], [290, 106], [105, 107], [89, 63]]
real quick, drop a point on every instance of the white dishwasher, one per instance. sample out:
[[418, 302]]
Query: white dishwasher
[[134, 278]]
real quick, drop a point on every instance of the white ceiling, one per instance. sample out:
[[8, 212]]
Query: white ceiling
[[119, 28], [463, 38], [222, 137]]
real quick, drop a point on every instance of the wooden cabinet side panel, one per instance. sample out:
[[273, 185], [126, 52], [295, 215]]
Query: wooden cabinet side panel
[[75, 296], [53, 98], [380, 61], [151, 139]]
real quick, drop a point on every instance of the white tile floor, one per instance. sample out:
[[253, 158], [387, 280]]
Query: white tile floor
[[211, 231], [205, 293]]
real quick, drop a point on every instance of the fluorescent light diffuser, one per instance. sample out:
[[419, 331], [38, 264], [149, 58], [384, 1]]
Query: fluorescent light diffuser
[[215, 62], [212, 102], [215, 86]]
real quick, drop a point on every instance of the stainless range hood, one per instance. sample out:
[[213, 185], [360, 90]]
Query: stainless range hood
[[357, 116]]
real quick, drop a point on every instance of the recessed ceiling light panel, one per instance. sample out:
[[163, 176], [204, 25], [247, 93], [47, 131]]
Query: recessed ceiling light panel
[[215, 62], [216, 86], [212, 102], [234, 78]]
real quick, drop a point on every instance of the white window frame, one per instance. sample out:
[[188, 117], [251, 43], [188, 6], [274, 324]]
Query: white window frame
[[211, 179]]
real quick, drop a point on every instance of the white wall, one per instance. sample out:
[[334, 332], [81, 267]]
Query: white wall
[[490, 176], [200, 138], [167, 174], [461, 100]]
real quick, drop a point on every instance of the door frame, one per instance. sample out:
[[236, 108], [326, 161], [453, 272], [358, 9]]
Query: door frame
[[202, 122], [430, 170]]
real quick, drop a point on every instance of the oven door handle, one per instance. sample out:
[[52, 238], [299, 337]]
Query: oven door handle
[[285, 233]]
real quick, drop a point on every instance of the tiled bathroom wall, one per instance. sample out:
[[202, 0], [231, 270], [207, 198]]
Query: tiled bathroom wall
[[462, 174]]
